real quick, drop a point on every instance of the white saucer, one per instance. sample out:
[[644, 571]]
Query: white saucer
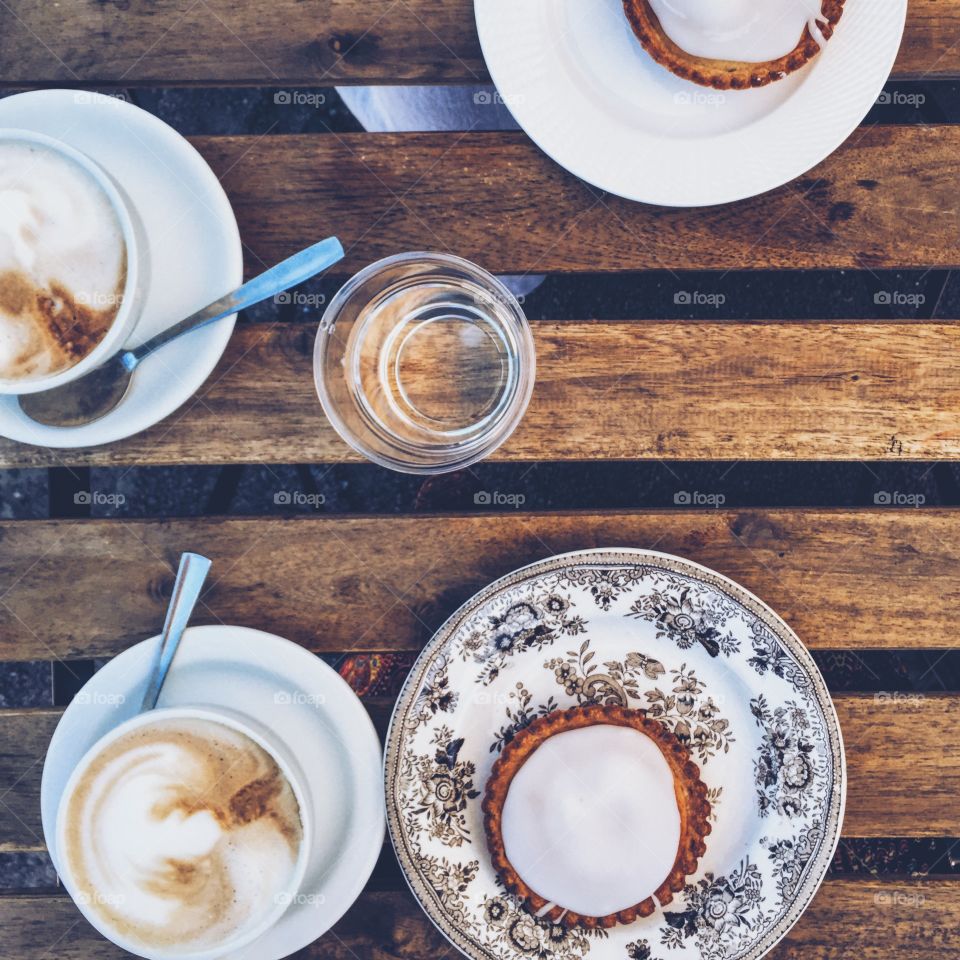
[[191, 240], [580, 84], [301, 699]]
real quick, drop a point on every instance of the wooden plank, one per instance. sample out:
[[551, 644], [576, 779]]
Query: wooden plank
[[845, 579], [324, 42], [904, 774], [24, 736], [868, 919], [931, 41], [606, 391], [886, 732], [220, 41], [886, 198]]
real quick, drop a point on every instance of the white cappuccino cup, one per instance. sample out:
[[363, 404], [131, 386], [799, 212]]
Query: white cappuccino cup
[[71, 268], [184, 833]]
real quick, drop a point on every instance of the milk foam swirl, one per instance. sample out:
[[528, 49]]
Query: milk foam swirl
[[749, 31], [63, 261], [182, 834]]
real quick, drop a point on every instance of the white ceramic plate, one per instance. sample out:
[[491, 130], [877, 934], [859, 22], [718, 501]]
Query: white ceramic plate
[[192, 246], [581, 85], [305, 703], [646, 630]]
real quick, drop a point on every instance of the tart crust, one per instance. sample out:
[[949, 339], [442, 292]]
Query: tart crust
[[691, 794], [726, 74]]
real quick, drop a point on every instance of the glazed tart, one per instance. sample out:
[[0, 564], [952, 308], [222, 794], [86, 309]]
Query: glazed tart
[[594, 813], [733, 44]]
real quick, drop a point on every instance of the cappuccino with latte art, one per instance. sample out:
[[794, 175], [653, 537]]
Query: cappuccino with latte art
[[63, 261], [181, 835]]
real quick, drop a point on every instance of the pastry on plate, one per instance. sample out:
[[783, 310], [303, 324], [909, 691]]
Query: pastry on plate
[[733, 44], [593, 813]]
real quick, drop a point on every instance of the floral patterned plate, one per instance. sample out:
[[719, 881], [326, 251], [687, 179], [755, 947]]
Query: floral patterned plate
[[646, 630]]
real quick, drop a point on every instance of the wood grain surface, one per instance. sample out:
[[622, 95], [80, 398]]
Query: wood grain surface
[[886, 198], [867, 919], [904, 775], [843, 579], [861, 579], [605, 391], [136, 42]]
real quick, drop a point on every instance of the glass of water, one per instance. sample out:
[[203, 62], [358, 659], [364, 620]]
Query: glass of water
[[424, 363]]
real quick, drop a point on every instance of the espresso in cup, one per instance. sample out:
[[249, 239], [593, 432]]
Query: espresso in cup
[[63, 261], [180, 836]]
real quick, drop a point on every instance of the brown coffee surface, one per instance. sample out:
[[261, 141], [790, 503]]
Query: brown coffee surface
[[181, 834], [57, 331], [63, 261]]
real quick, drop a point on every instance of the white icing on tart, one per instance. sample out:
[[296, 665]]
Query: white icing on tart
[[749, 31], [591, 822]]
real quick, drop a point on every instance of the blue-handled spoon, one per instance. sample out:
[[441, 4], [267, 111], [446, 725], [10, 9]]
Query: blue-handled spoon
[[186, 592], [95, 394]]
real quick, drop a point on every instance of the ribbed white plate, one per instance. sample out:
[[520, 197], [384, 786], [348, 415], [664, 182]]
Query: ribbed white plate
[[582, 87]]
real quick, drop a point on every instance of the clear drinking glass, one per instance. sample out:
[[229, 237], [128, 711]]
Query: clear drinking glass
[[424, 362]]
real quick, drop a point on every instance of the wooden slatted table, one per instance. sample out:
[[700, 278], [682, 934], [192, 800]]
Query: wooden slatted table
[[621, 388]]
